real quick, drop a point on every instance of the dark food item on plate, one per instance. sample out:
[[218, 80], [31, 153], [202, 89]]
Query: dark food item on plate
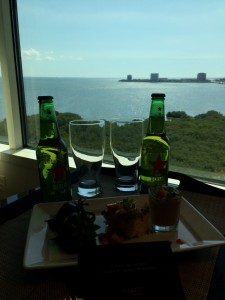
[[66, 209], [75, 226]]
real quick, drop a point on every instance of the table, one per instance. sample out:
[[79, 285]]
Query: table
[[202, 272]]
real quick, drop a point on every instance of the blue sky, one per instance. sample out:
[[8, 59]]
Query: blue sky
[[102, 38]]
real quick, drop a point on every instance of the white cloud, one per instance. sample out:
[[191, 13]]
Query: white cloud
[[48, 57], [31, 54]]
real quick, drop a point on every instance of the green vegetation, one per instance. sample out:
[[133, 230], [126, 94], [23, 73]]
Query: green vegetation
[[33, 127], [3, 131], [196, 142]]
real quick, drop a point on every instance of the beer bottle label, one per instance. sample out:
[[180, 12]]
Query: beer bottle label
[[154, 160], [54, 175]]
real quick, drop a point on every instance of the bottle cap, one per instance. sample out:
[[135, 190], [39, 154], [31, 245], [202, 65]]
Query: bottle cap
[[40, 98], [158, 95]]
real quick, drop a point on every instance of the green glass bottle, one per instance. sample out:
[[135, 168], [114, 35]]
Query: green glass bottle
[[155, 147], [52, 155]]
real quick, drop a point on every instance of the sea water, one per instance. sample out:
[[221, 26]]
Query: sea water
[[107, 98]]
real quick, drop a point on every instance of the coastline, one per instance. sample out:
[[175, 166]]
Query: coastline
[[182, 80]]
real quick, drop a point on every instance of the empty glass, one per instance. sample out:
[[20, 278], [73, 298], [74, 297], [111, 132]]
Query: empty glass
[[87, 141], [125, 141]]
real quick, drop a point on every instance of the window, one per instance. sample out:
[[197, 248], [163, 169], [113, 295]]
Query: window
[[78, 51], [3, 124]]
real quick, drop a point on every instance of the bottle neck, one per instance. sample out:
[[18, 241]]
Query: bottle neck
[[156, 123], [48, 121]]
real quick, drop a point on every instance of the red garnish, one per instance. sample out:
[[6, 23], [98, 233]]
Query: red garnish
[[180, 241], [112, 207]]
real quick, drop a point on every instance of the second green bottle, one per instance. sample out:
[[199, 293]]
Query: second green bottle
[[155, 148]]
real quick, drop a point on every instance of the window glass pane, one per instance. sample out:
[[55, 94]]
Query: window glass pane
[[3, 125], [78, 51]]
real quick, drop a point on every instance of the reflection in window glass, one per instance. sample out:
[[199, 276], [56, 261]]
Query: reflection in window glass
[[79, 52], [3, 125]]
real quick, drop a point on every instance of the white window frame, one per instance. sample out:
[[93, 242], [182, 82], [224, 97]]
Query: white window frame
[[9, 77], [18, 166]]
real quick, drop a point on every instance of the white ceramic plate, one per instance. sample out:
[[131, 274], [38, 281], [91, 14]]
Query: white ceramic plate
[[42, 252]]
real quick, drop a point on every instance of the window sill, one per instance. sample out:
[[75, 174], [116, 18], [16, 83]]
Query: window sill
[[27, 154], [25, 160]]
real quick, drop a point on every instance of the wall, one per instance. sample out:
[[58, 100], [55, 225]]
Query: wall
[[17, 174], [18, 171]]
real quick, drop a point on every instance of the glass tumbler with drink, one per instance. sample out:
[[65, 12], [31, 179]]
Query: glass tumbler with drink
[[87, 141], [164, 204]]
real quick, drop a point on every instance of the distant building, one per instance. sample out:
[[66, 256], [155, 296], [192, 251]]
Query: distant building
[[154, 77], [201, 77], [129, 77]]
